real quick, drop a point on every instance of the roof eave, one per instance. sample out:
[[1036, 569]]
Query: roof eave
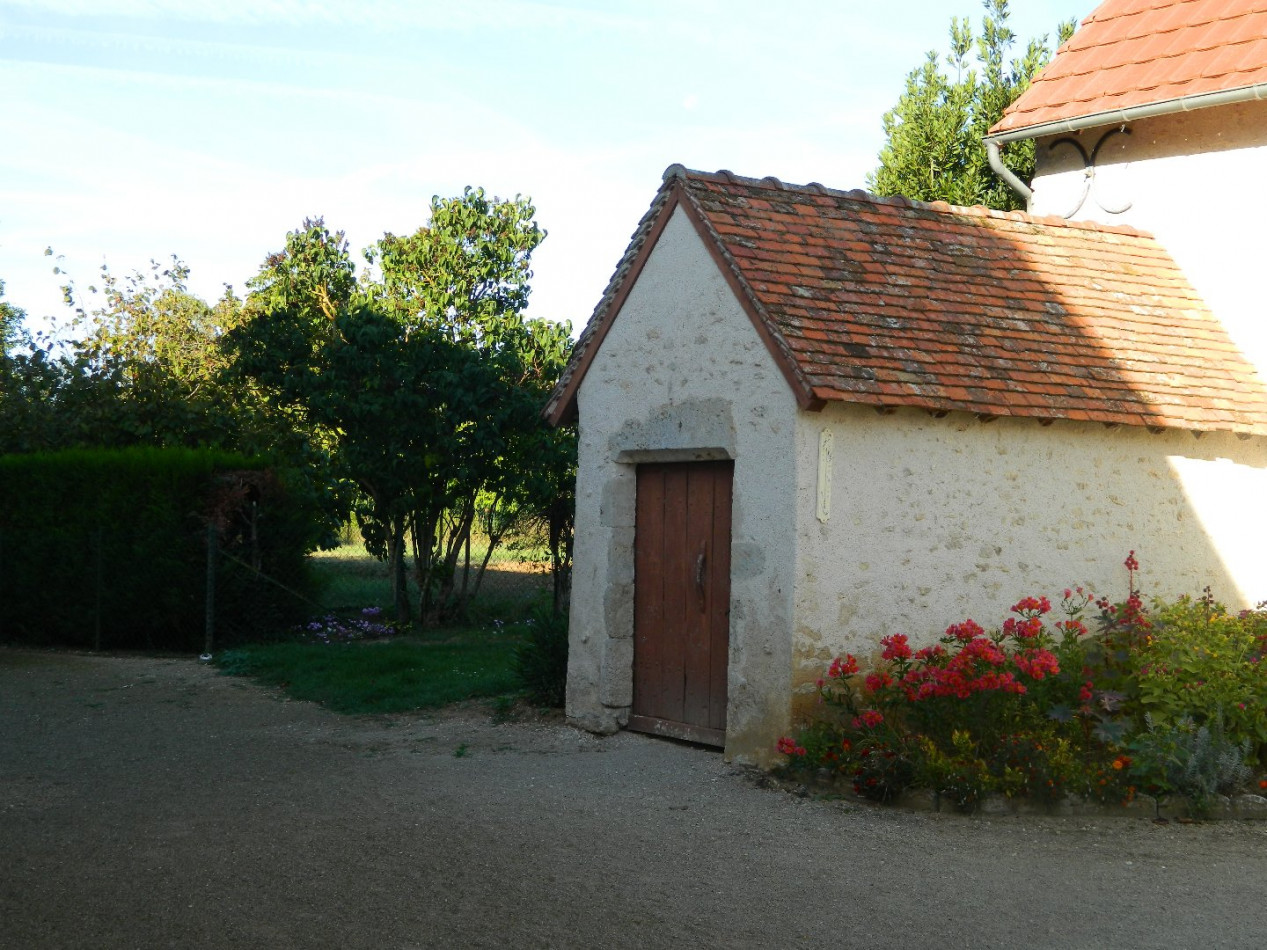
[[1204, 100], [562, 406]]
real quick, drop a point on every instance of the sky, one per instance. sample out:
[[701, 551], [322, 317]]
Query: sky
[[132, 130]]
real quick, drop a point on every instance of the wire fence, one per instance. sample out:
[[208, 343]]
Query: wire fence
[[509, 585], [86, 590]]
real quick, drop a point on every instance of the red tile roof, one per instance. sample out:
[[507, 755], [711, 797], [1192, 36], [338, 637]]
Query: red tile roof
[[890, 303], [1131, 53]]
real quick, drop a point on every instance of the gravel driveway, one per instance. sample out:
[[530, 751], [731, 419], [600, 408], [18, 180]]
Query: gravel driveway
[[153, 803]]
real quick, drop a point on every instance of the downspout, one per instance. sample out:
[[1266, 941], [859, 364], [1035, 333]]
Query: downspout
[[1008, 176], [1114, 117]]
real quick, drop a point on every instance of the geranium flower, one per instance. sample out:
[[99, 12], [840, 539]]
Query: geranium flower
[[895, 647]]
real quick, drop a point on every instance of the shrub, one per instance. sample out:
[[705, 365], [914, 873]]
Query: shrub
[[541, 658], [108, 548], [1203, 663], [1173, 701], [1195, 761], [963, 717]]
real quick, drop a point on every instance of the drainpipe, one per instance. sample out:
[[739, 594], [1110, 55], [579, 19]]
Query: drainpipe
[[1114, 117], [1009, 176]]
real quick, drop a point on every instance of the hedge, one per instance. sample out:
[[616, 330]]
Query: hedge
[[108, 549]]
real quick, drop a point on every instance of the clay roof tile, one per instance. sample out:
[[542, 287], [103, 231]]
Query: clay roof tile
[[901, 303], [1143, 53]]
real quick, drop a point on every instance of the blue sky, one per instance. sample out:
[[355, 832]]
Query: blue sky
[[137, 129]]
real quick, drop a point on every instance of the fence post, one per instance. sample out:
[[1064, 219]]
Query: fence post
[[96, 615], [211, 591]]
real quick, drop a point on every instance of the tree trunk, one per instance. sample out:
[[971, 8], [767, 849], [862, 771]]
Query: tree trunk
[[396, 566]]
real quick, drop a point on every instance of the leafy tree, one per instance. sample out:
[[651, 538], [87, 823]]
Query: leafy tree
[[467, 276], [933, 136], [421, 377], [11, 319]]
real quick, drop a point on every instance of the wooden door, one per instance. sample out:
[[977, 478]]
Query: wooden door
[[682, 600]]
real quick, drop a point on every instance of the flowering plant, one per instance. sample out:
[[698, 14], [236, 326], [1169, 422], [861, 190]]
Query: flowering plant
[[331, 628], [1038, 708]]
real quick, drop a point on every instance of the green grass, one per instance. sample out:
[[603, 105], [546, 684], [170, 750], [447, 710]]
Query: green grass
[[383, 677], [350, 579]]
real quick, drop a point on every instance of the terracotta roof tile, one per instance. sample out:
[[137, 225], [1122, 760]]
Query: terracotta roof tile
[[897, 303], [1146, 52]]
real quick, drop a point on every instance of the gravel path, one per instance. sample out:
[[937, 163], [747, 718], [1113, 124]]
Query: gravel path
[[152, 803]]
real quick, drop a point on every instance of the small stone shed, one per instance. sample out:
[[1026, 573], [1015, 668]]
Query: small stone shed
[[809, 418]]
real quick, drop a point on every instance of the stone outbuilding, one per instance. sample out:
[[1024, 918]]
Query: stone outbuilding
[[809, 418]]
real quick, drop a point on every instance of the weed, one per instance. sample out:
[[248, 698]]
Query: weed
[[504, 709], [541, 659]]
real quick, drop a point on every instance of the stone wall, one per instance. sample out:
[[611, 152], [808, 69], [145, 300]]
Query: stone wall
[[934, 521], [1194, 180], [682, 375]]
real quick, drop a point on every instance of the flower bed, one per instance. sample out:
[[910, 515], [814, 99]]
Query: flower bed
[[1168, 703]]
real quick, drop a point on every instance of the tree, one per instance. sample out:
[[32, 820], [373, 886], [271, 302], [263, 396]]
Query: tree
[[11, 319], [933, 136], [423, 378], [140, 366], [467, 276]]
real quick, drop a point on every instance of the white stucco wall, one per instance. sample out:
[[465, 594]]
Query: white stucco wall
[[682, 375], [934, 521], [1195, 181]]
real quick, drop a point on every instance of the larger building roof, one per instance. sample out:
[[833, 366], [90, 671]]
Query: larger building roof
[[892, 303], [1172, 54]]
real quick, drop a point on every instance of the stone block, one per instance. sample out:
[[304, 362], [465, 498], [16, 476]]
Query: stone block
[[615, 687]]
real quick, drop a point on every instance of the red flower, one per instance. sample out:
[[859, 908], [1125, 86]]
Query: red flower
[[877, 681], [968, 630], [895, 647], [1032, 605], [841, 668], [1037, 664], [868, 719], [1075, 627], [787, 746]]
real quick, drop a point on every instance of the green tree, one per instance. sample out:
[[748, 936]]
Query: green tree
[[421, 376], [467, 276], [147, 353], [933, 137], [11, 324]]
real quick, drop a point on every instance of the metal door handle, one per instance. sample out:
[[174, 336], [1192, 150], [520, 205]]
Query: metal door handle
[[699, 572]]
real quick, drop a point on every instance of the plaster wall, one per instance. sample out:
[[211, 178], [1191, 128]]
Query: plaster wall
[[683, 375], [934, 521], [1194, 180]]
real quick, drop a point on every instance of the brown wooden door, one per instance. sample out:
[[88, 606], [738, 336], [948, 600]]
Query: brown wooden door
[[682, 600]]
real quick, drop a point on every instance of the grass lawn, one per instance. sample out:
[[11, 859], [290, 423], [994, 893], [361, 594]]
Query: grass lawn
[[412, 672], [351, 579], [415, 670]]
